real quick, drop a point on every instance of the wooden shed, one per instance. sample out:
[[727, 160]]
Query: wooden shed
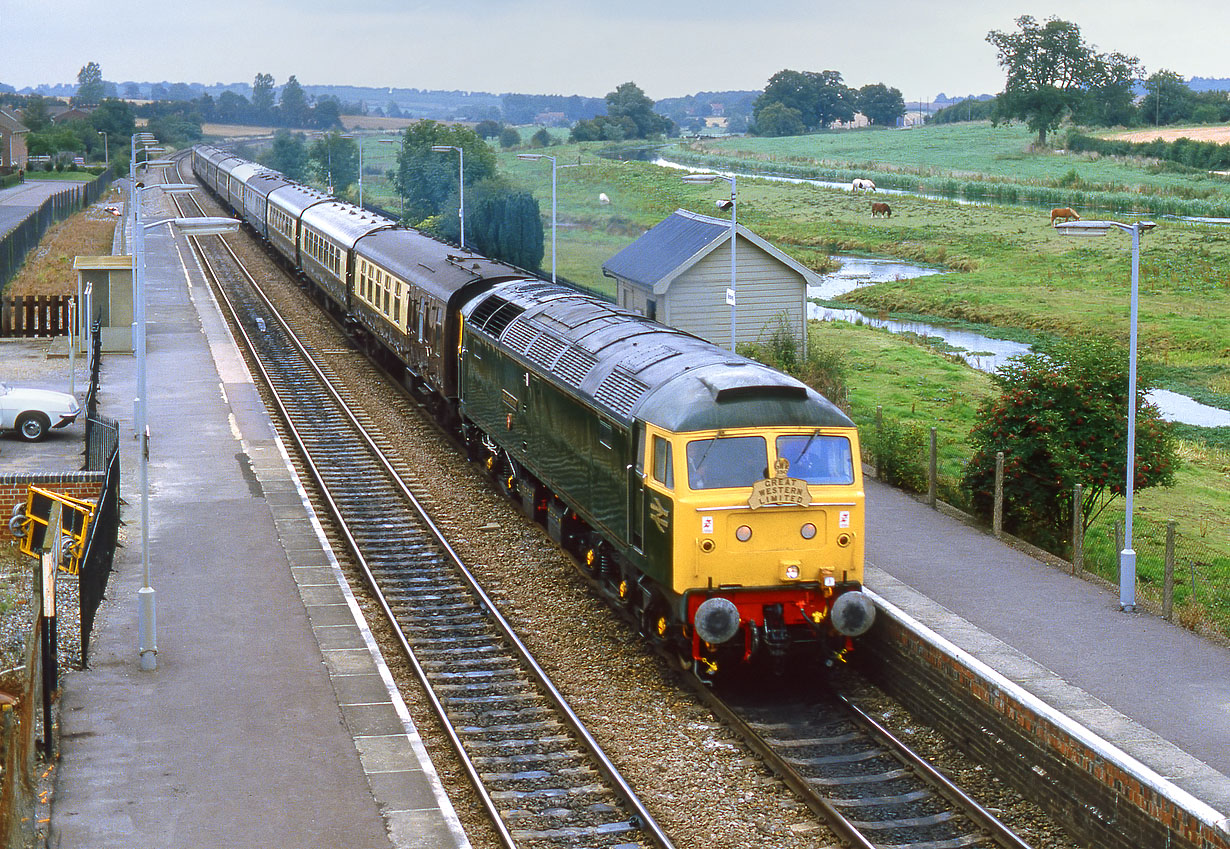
[[678, 273]]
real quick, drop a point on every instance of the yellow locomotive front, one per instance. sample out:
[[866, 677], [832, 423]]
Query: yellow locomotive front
[[767, 542]]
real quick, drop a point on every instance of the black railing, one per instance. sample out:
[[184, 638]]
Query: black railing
[[100, 548]]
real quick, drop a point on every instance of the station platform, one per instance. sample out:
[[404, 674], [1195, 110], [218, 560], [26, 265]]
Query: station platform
[[1154, 690], [271, 719]]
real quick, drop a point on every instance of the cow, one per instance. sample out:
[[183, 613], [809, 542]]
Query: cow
[[881, 209], [1064, 214], [863, 184], [603, 199]]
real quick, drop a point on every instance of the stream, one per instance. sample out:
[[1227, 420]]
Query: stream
[[982, 352]]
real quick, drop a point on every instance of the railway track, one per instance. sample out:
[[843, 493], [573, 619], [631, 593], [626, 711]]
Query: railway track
[[870, 787], [540, 775], [506, 721]]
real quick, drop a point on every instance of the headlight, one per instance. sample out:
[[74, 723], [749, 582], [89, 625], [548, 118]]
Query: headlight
[[808, 531], [792, 572], [743, 533]]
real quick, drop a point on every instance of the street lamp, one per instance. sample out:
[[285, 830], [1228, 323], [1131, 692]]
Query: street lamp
[[106, 154], [147, 621], [552, 158], [400, 197], [1127, 557], [359, 139], [461, 183], [732, 292]]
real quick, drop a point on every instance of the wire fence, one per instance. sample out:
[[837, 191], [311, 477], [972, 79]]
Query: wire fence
[[1183, 572]]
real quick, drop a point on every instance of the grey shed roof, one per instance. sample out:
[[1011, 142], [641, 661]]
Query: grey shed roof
[[678, 242]]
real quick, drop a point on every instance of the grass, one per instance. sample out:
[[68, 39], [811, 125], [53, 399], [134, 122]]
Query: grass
[[48, 270]]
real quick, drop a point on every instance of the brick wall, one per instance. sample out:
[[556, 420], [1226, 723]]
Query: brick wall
[[86, 486], [1105, 799]]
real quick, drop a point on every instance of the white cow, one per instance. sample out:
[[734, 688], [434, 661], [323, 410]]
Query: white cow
[[603, 199]]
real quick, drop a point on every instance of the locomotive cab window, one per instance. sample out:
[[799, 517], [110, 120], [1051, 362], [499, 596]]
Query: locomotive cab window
[[663, 467], [726, 461], [606, 435], [818, 459]]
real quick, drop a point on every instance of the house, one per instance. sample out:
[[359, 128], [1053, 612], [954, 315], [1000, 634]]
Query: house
[[678, 273], [76, 113], [12, 143]]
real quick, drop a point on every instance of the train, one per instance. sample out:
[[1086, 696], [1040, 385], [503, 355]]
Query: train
[[715, 500]]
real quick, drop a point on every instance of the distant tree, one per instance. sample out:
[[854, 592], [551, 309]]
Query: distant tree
[[1050, 70], [392, 110], [969, 109], [778, 119], [1110, 99], [425, 179], [114, 117], [882, 105], [233, 108], [509, 137], [488, 129], [157, 91], [1059, 419], [820, 97], [132, 91], [1167, 99], [542, 138], [327, 113], [89, 85], [335, 160], [180, 91], [628, 101], [293, 106], [35, 116], [629, 115], [262, 98], [288, 155], [505, 224]]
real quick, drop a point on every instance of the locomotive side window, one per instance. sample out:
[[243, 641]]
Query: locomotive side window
[[663, 468], [606, 435], [726, 461], [818, 459]]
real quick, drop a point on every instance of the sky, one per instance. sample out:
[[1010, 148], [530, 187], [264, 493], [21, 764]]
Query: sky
[[669, 48]]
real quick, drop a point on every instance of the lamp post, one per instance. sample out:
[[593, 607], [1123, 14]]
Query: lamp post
[[552, 158], [732, 292], [461, 183], [147, 620], [106, 154], [1127, 557], [400, 197], [359, 139]]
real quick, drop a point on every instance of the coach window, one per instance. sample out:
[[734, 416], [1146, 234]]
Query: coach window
[[422, 311], [397, 302], [663, 468]]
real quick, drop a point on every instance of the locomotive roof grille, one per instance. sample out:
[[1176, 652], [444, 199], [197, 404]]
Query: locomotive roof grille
[[501, 318], [620, 391], [575, 365]]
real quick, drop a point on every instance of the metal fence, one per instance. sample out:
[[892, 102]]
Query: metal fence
[[100, 545], [18, 242]]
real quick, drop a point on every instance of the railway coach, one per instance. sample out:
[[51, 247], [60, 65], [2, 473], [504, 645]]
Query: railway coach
[[717, 500]]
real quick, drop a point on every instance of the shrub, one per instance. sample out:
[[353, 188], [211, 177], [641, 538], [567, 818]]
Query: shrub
[[898, 450]]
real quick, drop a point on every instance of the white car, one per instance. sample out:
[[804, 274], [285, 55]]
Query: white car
[[31, 413]]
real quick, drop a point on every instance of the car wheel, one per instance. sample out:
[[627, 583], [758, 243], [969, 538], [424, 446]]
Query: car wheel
[[33, 427]]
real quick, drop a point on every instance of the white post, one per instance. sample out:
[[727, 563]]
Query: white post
[[1127, 557], [147, 622], [734, 291]]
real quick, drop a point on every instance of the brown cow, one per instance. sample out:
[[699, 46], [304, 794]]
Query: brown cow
[[881, 209], [1063, 213]]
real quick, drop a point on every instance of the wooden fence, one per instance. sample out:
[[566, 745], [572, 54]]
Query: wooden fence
[[33, 316]]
